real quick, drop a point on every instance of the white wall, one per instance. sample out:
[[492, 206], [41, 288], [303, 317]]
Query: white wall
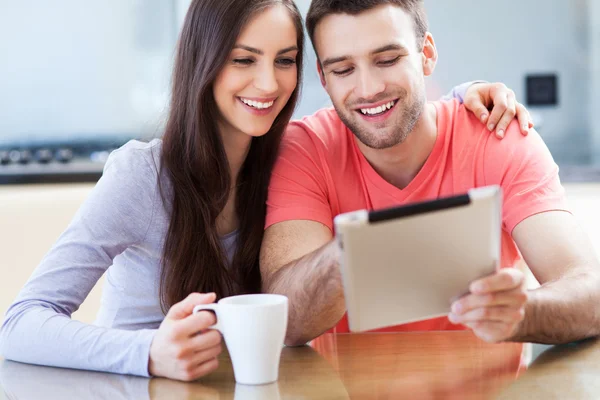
[[314, 96], [78, 68], [181, 7], [505, 40], [113, 76], [594, 104]]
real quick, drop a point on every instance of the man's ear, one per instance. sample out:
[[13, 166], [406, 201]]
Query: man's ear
[[430, 55], [321, 74]]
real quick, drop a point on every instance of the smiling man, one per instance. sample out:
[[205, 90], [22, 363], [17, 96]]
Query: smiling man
[[383, 145]]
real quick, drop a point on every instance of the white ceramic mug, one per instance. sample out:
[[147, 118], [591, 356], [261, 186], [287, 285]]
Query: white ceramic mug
[[254, 328]]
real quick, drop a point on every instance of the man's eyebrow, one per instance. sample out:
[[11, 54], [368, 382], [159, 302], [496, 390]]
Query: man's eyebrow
[[260, 52], [389, 47], [333, 60]]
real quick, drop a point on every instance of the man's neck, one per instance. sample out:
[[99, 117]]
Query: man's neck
[[400, 164]]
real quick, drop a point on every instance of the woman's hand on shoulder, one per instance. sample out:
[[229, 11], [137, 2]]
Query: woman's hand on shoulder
[[184, 348], [481, 98]]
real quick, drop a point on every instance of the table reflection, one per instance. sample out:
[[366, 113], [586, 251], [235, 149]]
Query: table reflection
[[424, 365], [304, 374], [24, 381], [562, 372], [431, 365]]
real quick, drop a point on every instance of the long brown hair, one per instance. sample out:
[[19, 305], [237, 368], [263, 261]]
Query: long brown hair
[[194, 159]]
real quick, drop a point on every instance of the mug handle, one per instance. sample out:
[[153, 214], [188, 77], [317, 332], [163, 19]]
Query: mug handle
[[212, 307]]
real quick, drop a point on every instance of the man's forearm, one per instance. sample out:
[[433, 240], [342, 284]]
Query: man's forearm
[[313, 286], [563, 311]]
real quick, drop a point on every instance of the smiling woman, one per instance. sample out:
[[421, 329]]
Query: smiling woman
[[176, 217], [259, 76]]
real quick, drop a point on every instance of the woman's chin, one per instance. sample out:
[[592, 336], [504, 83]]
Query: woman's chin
[[255, 133]]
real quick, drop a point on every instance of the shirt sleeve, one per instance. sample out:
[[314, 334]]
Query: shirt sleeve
[[459, 92], [298, 188], [527, 174], [38, 328]]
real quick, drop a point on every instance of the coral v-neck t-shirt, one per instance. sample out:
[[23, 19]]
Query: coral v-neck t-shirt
[[321, 173]]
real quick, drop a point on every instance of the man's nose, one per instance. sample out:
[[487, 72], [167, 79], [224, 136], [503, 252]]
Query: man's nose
[[369, 85]]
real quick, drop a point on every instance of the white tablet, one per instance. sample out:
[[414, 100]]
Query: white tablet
[[410, 263]]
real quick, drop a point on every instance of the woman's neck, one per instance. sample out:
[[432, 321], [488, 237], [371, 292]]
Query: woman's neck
[[237, 146]]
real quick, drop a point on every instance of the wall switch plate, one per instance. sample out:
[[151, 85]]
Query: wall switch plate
[[542, 90]]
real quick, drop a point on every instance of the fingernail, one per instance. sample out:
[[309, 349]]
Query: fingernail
[[477, 287], [501, 133], [456, 308], [484, 117], [452, 318], [491, 127]]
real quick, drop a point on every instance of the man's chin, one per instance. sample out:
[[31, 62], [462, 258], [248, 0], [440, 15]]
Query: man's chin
[[381, 145], [378, 141], [376, 136]]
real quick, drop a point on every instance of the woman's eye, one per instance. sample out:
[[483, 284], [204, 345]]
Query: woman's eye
[[243, 61], [286, 62]]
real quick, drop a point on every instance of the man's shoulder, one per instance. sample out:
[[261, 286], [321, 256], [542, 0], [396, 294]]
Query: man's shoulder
[[324, 127], [474, 142], [468, 131], [454, 114]]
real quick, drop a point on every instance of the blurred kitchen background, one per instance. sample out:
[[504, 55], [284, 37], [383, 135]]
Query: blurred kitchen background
[[80, 78]]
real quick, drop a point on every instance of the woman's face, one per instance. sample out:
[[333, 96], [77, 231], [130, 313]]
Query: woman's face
[[260, 74]]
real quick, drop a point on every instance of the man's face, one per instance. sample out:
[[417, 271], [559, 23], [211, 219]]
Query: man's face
[[374, 73]]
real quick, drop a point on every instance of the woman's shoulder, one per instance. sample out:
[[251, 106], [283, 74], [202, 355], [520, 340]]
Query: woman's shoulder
[[133, 169], [136, 156], [136, 160]]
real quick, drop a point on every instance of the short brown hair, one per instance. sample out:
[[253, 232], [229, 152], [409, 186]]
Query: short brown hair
[[320, 9]]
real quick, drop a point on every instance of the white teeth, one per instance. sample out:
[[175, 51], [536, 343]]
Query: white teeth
[[378, 110], [257, 104]]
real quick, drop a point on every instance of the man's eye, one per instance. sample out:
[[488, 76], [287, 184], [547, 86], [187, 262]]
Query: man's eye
[[342, 72], [390, 62]]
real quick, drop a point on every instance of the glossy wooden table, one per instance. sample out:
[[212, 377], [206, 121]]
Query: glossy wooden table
[[433, 365]]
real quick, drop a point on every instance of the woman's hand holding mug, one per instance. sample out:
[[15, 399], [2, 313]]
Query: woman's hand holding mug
[[184, 348]]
